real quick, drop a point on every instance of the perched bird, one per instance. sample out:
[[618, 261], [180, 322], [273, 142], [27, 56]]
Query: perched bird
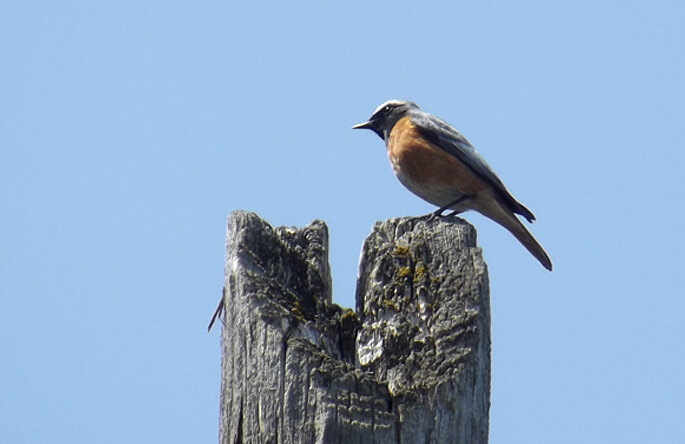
[[439, 165]]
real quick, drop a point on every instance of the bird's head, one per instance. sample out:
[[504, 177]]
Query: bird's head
[[385, 116]]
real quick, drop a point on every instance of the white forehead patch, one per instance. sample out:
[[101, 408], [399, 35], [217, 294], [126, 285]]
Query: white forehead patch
[[389, 102]]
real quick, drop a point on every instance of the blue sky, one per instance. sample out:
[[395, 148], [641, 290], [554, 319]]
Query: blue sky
[[129, 131]]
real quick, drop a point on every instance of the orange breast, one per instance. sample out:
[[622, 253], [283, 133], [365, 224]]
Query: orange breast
[[427, 170]]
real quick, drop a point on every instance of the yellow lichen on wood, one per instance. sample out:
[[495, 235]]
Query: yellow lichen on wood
[[348, 314], [401, 250], [403, 272], [419, 272]]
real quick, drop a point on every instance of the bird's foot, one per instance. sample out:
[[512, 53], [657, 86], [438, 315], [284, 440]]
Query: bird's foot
[[438, 214]]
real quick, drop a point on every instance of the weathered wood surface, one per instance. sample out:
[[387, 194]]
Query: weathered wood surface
[[411, 365]]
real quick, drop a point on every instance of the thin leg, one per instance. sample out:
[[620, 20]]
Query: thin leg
[[439, 211], [453, 213]]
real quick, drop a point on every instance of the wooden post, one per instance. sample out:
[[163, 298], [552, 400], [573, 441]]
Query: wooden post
[[412, 364]]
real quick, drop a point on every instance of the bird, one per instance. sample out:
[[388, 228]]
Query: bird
[[435, 162]]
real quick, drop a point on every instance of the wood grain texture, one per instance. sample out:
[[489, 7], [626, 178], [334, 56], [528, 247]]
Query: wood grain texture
[[411, 365]]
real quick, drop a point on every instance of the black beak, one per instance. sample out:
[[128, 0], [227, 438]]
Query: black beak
[[365, 125]]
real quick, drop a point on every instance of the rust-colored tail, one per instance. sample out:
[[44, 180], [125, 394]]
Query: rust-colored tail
[[531, 244], [509, 221]]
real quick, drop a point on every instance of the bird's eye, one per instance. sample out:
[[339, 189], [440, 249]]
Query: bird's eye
[[387, 108]]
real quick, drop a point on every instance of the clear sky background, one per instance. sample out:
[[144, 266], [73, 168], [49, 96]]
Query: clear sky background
[[129, 131]]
